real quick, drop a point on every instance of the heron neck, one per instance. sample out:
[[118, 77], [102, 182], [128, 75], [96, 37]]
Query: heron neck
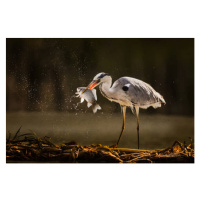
[[105, 89]]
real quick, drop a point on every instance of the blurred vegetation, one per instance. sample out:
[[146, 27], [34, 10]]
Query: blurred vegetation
[[43, 74]]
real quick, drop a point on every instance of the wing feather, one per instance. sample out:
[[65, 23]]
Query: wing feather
[[139, 92]]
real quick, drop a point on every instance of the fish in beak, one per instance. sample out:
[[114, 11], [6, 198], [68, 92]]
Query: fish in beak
[[92, 85]]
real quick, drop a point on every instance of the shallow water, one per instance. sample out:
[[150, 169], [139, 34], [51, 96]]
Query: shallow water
[[156, 131]]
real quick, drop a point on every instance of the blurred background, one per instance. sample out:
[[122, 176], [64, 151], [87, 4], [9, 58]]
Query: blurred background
[[43, 74]]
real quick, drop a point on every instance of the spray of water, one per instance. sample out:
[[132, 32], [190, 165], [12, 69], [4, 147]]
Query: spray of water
[[73, 96], [76, 105]]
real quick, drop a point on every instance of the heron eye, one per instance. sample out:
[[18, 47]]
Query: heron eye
[[125, 88]]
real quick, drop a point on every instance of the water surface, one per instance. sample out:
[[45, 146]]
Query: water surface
[[156, 131]]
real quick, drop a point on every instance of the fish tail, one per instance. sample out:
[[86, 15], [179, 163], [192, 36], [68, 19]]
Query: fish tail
[[88, 104], [96, 107]]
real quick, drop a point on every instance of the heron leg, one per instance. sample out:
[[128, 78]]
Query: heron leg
[[138, 125], [123, 125]]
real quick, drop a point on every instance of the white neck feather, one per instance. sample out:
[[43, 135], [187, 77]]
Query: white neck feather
[[105, 88]]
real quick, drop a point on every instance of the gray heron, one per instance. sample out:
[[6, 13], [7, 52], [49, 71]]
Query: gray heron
[[128, 92]]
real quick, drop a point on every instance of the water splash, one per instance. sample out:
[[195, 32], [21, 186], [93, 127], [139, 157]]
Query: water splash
[[76, 105], [73, 96]]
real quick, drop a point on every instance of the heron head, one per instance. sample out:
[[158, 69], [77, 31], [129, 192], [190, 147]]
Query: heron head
[[99, 78]]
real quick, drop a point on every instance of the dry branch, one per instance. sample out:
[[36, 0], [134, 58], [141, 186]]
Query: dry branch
[[29, 148]]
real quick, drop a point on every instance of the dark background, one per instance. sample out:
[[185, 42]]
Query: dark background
[[43, 74]]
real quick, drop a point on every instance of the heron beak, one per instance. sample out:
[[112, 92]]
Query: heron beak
[[92, 85]]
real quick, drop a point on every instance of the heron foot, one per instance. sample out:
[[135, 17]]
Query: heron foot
[[114, 146]]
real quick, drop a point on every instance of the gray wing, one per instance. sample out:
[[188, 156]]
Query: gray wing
[[137, 91]]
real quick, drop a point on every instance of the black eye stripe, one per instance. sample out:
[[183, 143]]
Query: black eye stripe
[[102, 75]]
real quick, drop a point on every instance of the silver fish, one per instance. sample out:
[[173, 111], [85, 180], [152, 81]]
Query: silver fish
[[90, 96]]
